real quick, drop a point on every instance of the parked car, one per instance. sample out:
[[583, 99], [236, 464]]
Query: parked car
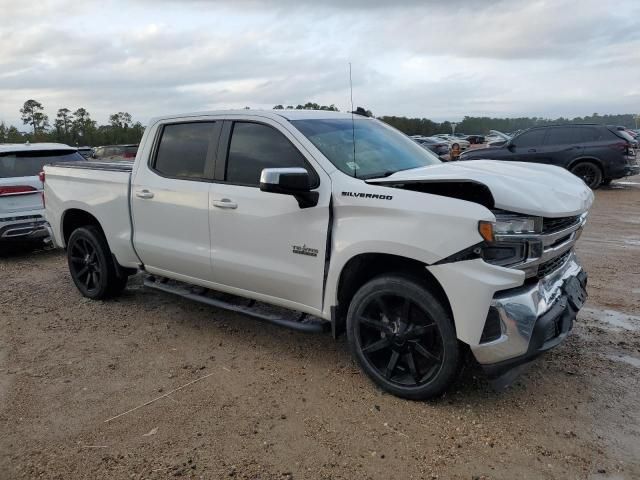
[[496, 138], [595, 153], [437, 145], [475, 139], [414, 258], [110, 153], [86, 152], [21, 209], [464, 144]]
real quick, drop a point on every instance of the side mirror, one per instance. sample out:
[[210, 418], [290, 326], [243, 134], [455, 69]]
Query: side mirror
[[289, 181], [511, 146]]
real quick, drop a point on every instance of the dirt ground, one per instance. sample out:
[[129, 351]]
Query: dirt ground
[[268, 403]]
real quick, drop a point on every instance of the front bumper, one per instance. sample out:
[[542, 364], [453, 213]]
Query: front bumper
[[533, 318]]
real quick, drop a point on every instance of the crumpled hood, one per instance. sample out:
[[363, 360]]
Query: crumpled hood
[[528, 188]]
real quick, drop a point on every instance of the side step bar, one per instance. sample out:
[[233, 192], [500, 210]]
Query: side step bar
[[307, 325]]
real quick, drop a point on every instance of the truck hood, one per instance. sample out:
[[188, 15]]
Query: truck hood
[[532, 189]]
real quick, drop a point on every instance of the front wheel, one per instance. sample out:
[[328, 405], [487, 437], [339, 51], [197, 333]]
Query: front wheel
[[91, 265], [589, 172], [402, 337]]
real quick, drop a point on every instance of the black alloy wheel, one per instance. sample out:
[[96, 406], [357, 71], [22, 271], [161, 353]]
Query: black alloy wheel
[[403, 338], [86, 268], [91, 265], [589, 172]]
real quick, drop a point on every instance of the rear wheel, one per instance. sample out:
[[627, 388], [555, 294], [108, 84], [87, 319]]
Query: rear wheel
[[589, 172], [91, 265], [402, 337]]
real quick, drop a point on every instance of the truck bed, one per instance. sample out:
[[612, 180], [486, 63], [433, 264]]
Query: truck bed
[[100, 188]]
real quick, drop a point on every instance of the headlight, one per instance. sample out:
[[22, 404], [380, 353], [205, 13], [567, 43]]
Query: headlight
[[509, 225], [512, 250]]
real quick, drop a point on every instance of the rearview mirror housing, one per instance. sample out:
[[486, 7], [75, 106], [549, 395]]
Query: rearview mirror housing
[[289, 181]]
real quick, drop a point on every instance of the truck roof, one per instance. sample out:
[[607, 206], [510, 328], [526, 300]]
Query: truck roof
[[33, 147], [274, 114]]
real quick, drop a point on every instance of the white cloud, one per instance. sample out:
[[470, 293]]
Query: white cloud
[[431, 59]]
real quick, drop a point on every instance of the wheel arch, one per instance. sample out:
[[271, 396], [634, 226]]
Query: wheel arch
[[596, 161], [75, 218], [363, 267]]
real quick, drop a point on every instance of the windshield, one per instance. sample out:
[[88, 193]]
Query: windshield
[[379, 149], [29, 164]]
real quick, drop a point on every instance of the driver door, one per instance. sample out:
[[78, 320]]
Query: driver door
[[263, 242]]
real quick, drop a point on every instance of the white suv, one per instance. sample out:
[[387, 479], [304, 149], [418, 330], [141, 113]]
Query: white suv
[[21, 204]]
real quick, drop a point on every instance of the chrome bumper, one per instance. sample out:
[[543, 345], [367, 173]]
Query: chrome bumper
[[554, 301]]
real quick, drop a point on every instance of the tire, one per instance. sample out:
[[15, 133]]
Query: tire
[[91, 264], [589, 172], [606, 181], [413, 356]]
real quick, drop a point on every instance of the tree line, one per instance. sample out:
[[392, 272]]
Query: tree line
[[77, 128], [71, 127]]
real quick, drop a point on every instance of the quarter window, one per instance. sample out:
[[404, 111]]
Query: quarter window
[[183, 148], [564, 136], [254, 147]]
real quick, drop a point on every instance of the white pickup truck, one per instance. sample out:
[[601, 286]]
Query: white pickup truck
[[338, 221]]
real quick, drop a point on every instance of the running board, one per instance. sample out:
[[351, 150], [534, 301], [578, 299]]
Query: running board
[[308, 325]]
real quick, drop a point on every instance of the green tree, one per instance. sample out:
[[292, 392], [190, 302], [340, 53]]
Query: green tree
[[83, 128], [33, 114], [278, 107], [63, 123]]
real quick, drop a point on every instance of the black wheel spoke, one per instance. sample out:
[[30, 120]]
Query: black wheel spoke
[[412, 366], [393, 362], [376, 346], [406, 310], [370, 322], [76, 259], [87, 280], [82, 271], [420, 331], [425, 353], [384, 307]]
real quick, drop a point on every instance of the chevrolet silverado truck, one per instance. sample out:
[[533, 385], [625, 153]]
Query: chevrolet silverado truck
[[330, 221]]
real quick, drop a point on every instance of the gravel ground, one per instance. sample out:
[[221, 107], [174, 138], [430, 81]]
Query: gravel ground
[[269, 403]]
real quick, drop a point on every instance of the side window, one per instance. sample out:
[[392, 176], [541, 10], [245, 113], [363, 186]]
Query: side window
[[593, 134], [182, 151], [531, 138], [253, 147], [564, 136]]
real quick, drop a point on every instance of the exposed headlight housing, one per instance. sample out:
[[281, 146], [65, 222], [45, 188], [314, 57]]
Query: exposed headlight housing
[[504, 247]]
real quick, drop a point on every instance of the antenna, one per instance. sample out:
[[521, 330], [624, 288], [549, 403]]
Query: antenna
[[353, 126]]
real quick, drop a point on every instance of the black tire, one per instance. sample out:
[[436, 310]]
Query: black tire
[[607, 181], [91, 264], [589, 172], [413, 355]]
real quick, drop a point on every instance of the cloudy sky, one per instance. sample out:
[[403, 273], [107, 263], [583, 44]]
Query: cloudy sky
[[429, 58]]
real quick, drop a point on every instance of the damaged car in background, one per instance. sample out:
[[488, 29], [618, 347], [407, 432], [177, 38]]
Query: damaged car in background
[[415, 260]]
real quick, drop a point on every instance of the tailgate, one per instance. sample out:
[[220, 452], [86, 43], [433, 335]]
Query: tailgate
[[20, 194]]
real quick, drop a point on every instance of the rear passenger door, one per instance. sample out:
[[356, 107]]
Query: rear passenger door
[[170, 200], [561, 146], [263, 242]]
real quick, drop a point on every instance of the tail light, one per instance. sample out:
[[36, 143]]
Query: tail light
[[16, 190], [129, 155], [620, 146]]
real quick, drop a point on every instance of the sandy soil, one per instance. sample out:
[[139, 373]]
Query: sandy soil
[[276, 404]]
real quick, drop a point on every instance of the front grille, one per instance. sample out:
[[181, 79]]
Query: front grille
[[552, 265], [551, 225]]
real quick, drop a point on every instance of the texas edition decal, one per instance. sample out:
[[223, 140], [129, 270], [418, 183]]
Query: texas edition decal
[[304, 250]]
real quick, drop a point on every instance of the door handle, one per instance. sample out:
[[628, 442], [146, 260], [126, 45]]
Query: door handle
[[144, 194], [225, 203], [532, 150]]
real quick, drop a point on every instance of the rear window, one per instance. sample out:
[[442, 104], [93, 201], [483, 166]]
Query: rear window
[[28, 164], [183, 148]]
